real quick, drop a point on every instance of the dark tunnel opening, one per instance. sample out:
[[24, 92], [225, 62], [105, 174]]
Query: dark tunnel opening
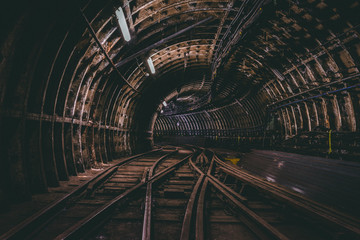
[[75, 95]]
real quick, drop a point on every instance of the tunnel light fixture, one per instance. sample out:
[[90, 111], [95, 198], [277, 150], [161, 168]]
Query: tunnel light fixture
[[123, 25], [164, 103], [151, 65]]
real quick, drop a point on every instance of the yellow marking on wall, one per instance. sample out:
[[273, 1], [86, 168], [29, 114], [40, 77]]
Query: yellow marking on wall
[[330, 142], [233, 160]]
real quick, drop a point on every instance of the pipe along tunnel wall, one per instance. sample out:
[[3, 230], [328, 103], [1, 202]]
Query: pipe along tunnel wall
[[266, 74]]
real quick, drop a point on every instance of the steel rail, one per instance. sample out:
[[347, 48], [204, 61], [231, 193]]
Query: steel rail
[[79, 229], [211, 166], [169, 169], [199, 221], [228, 189], [101, 214], [95, 184], [258, 225], [146, 231], [186, 226], [333, 217], [199, 224], [43, 216]]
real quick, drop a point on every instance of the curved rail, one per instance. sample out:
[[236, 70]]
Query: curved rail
[[258, 225], [146, 232], [333, 217], [98, 217], [41, 218], [173, 177]]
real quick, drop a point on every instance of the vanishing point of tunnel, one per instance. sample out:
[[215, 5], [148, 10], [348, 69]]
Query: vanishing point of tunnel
[[266, 87]]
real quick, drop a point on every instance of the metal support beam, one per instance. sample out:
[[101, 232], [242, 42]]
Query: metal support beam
[[313, 89], [317, 96], [164, 40], [93, 34]]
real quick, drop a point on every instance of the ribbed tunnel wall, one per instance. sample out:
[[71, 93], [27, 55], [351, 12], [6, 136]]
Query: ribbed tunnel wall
[[241, 121], [308, 59], [264, 73], [62, 110]]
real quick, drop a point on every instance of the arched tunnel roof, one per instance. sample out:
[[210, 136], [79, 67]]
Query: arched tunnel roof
[[74, 93]]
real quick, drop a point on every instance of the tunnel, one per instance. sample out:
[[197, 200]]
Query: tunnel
[[85, 83]]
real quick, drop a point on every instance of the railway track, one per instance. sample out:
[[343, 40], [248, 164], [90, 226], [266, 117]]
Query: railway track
[[183, 193], [267, 210]]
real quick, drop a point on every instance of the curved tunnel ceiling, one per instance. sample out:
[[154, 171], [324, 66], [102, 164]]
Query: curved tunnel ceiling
[[74, 94]]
